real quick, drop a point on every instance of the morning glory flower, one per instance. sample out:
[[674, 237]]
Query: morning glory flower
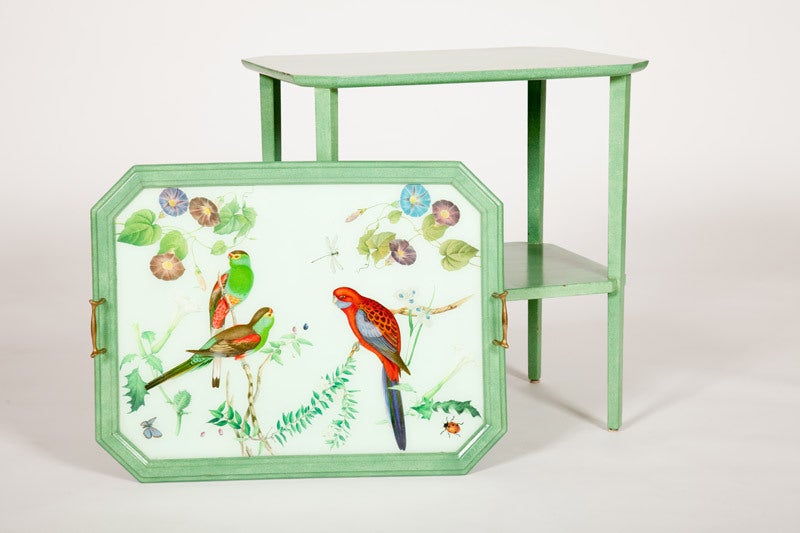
[[415, 200], [173, 201]]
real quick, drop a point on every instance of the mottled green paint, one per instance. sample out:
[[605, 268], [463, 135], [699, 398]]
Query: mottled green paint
[[537, 98], [270, 92], [326, 107], [441, 66], [535, 271], [619, 125]]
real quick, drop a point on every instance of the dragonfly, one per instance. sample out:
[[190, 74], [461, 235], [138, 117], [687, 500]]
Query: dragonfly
[[333, 251], [149, 430]]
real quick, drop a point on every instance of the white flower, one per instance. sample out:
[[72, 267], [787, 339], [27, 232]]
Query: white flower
[[185, 306], [406, 295], [424, 315]]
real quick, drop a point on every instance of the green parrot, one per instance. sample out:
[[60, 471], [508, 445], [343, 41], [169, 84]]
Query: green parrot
[[236, 342], [230, 289]]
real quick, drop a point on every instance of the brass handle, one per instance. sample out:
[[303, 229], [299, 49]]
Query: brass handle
[[502, 297], [94, 304]]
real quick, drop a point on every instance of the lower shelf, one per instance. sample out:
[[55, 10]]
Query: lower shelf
[[534, 271]]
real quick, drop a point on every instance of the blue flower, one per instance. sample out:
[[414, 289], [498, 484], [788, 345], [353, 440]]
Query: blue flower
[[415, 200], [174, 202]]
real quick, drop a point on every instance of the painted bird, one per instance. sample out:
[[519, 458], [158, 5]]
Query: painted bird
[[230, 289], [376, 330], [236, 342]]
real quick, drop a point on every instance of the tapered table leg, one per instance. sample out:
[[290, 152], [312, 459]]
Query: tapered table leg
[[619, 120], [326, 106], [536, 127], [270, 118]]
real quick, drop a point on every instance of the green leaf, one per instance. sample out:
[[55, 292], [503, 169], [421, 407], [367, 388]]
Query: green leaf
[[431, 230], [140, 229], [276, 356], [127, 359], [296, 347], [304, 341], [426, 408], [275, 344], [247, 220], [174, 242], [228, 223], [380, 245], [218, 248], [364, 248], [154, 362], [181, 400], [216, 412], [394, 216], [230, 412], [149, 336], [134, 384], [456, 254]]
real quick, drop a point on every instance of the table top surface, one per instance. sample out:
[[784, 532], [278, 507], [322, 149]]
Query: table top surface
[[441, 66]]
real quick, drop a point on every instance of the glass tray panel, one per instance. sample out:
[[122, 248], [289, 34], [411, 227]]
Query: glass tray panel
[[400, 248]]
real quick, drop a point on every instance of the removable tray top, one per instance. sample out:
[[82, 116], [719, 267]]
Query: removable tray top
[[352, 334]]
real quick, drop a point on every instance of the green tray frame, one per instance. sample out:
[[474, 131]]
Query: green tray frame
[[104, 285]]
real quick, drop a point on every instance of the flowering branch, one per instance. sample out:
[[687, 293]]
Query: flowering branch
[[433, 311]]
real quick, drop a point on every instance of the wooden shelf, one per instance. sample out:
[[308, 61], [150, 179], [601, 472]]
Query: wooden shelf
[[534, 271]]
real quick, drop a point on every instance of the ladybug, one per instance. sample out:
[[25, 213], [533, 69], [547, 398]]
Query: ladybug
[[451, 427]]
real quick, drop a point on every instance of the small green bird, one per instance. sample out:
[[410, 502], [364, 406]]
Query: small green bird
[[231, 288], [236, 341]]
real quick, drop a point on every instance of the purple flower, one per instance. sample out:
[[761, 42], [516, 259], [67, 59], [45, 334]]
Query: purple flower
[[446, 213], [166, 266], [402, 252], [173, 201], [204, 211]]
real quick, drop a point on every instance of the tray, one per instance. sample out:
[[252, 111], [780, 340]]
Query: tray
[[327, 269]]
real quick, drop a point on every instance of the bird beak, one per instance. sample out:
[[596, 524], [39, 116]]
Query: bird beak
[[269, 311], [333, 299]]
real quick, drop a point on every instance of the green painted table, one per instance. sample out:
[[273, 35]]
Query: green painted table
[[533, 270]]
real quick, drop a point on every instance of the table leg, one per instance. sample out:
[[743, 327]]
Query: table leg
[[270, 118], [326, 106], [536, 127], [619, 121]]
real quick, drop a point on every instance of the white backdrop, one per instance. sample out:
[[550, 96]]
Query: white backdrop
[[710, 427]]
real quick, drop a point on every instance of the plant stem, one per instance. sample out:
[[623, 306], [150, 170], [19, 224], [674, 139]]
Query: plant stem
[[428, 396], [251, 408], [414, 345]]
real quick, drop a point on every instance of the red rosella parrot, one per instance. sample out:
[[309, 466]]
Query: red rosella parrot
[[231, 288], [236, 342], [376, 330]]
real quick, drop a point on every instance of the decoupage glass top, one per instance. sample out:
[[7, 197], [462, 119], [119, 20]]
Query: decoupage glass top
[[299, 319]]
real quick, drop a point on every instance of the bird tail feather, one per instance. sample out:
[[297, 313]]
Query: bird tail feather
[[394, 402], [216, 372], [189, 364]]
